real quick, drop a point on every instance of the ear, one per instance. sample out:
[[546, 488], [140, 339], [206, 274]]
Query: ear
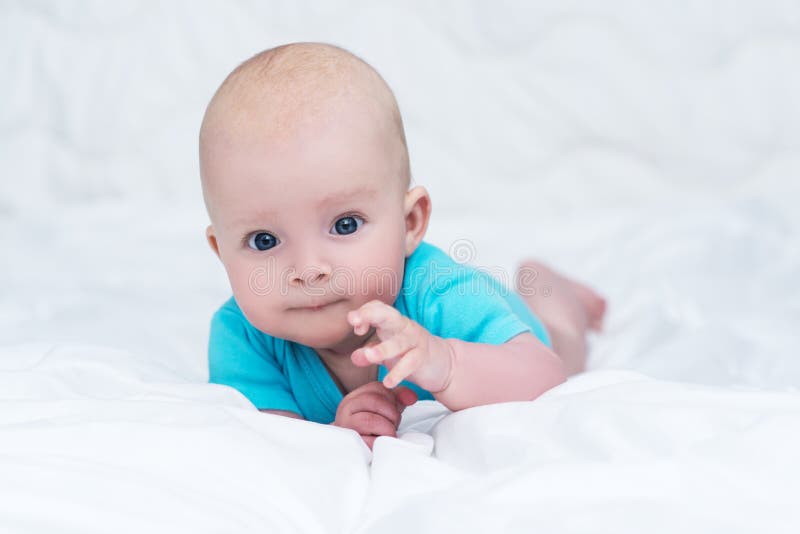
[[212, 240], [417, 210]]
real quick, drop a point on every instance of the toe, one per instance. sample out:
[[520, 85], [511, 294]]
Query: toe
[[594, 305], [596, 311]]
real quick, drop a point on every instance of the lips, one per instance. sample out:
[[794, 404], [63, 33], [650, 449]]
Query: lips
[[316, 306]]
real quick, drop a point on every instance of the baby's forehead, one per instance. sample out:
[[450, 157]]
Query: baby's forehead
[[314, 170], [316, 201]]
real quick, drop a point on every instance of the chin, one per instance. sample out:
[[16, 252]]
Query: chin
[[315, 335]]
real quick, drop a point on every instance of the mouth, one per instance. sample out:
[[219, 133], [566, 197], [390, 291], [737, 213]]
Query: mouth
[[317, 306]]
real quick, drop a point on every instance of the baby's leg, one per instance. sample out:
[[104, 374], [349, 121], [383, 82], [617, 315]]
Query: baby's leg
[[567, 308]]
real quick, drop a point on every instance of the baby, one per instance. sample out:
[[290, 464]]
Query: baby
[[340, 312]]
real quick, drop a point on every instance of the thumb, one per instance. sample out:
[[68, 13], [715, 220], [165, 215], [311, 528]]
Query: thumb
[[405, 396]]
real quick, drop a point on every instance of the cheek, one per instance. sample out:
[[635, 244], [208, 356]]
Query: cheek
[[378, 272], [257, 291]]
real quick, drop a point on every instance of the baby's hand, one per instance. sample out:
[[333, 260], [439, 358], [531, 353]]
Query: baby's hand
[[407, 349], [372, 410]]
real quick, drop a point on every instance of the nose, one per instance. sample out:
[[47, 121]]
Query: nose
[[310, 276], [310, 269]]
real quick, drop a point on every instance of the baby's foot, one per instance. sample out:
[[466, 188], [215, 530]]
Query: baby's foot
[[593, 304], [558, 297]]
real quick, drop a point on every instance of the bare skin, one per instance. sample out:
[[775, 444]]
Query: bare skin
[[371, 409], [567, 308], [374, 410]]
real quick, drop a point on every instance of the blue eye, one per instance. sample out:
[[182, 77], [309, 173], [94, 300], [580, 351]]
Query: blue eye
[[347, 225], [262, 241]]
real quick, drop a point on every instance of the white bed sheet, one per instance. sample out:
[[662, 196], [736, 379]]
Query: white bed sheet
[[93, 440]]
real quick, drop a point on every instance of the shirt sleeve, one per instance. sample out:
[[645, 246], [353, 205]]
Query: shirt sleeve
[[237, 360], [470, 306]]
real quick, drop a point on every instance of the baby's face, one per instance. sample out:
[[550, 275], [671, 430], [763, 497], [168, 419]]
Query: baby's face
[[309, 225]]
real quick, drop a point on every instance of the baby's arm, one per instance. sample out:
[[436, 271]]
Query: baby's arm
[[520, 369], [459, 374]]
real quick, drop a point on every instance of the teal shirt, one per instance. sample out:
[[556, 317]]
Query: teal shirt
[[449, 299]]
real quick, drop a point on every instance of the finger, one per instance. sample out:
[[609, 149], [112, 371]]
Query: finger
[[361, 328], [370, 423], [373, 386], [379, 314], [405, 396], [376, 387], [371, 313], [409, 363], [357, 356], [374, 354], [355, 317], [374, 303], [377, 403], [369, 440], [395, 346]]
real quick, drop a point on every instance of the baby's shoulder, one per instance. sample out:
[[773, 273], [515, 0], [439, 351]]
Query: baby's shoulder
[[230, 318], [229, 314], [431, 271]]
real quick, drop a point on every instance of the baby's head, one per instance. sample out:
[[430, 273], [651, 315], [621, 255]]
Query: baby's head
[[305, 176]]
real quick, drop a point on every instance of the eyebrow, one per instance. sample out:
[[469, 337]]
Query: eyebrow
[[250, 221], [341, 196], [333, 198]]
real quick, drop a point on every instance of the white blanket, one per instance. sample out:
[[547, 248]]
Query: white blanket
[[98, 440], [650, 150]]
